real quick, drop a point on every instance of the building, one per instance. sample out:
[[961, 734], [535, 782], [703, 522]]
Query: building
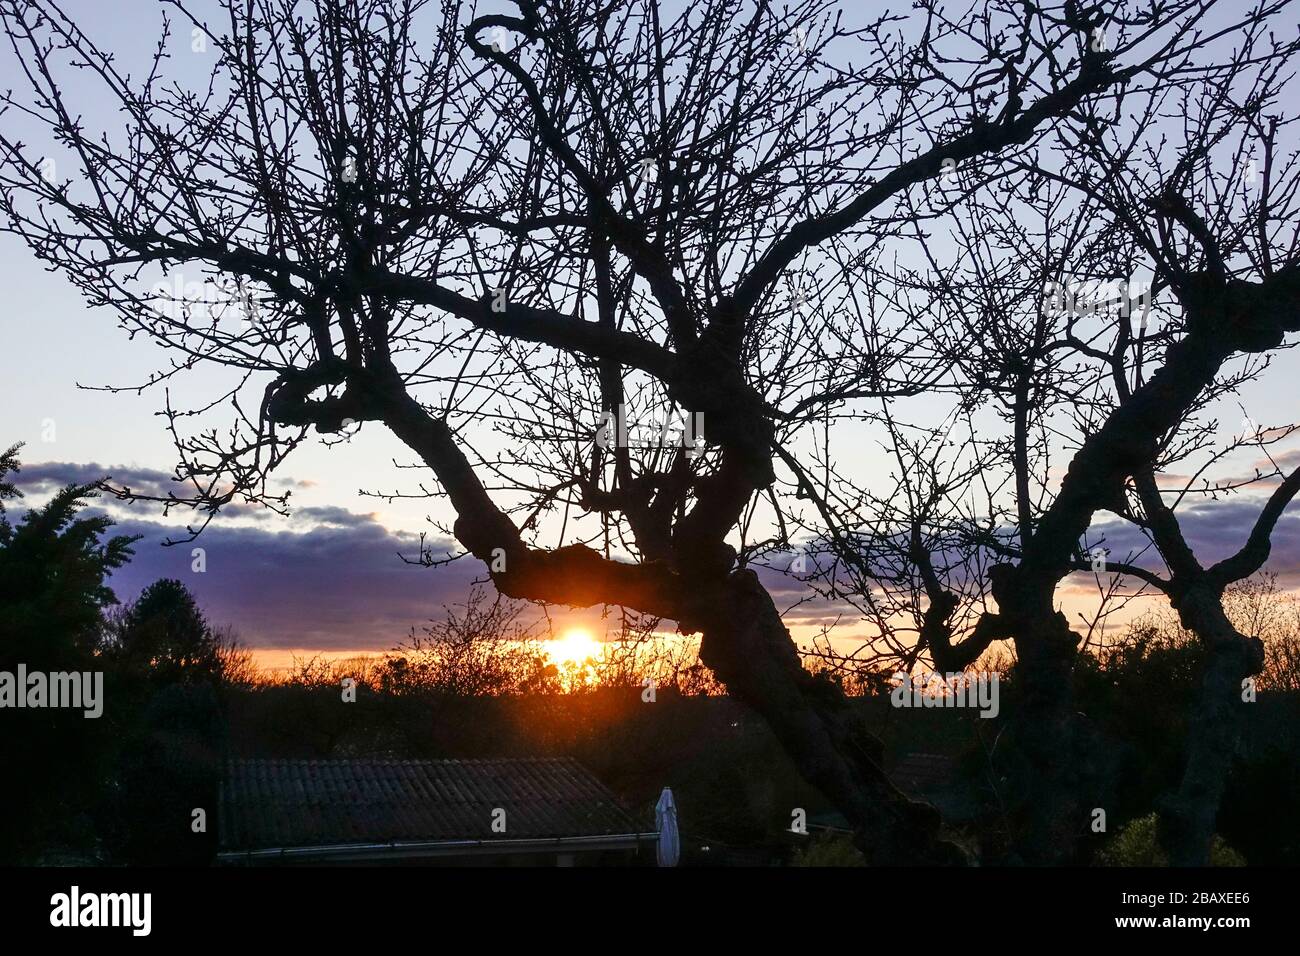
[[508, 812]]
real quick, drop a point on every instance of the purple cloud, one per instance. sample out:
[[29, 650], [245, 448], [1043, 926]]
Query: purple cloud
[[331, 578], [49, 476], [342, 585]]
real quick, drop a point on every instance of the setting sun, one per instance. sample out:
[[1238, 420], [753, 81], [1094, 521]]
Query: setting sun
[[574, 646]]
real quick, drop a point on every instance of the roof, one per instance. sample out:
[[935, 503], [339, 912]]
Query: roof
[[273, 804]]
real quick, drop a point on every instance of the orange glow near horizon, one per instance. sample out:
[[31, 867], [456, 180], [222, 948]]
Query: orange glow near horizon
[[574, 646], [576, 642]]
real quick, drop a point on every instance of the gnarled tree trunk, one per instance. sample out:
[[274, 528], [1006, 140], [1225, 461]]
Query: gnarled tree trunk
[[748, 647], [1188, 816]]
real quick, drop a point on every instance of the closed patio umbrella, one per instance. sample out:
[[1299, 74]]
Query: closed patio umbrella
[[668, 848]]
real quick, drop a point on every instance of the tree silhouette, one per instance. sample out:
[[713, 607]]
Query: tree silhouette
[[164, 634], [53, 592], [499, 235], [1097, 308], [54, 566]]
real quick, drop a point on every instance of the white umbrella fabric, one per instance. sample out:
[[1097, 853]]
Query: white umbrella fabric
[[669, 847]]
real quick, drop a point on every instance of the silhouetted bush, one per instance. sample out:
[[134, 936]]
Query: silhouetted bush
[[1136, 844]]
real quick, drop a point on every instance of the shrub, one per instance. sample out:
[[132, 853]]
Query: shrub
[[1136, 844], [829, 849]]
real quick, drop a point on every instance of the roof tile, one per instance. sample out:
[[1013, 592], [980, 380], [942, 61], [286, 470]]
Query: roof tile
[[290, 803]]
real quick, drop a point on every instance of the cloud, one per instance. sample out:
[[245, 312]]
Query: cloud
[[1287, 460], [341, 585], [1214, 530], [800, 605], [1266, 474], [332, 515], [330, 578], [49, 476]]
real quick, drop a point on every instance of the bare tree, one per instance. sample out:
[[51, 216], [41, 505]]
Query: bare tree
[[1103, 378], [447, 223]]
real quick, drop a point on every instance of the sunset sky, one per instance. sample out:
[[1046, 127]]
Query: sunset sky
[[331, 576]]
